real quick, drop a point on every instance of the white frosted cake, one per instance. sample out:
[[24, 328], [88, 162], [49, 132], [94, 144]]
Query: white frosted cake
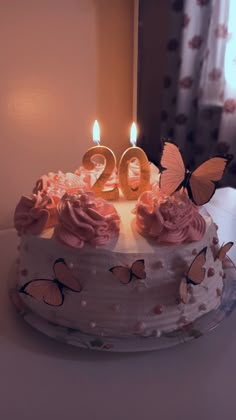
[[116, 269]]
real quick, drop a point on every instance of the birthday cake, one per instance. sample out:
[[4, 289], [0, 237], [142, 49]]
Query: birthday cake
[[117, 268]]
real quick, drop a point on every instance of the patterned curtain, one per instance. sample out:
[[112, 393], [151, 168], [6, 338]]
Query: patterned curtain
[[199, 99]]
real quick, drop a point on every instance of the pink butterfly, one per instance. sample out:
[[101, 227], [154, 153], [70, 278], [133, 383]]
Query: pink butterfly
[[195, 274], [51, 291], [222, 253], [126, 274]]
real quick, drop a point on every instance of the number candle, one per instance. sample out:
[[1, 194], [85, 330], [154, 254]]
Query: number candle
[[131, 154], [109, 166]]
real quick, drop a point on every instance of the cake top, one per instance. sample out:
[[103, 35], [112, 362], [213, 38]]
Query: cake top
[[167, 212]]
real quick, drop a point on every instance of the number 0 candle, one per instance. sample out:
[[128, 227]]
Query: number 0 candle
[[131, 154], [108, 168]]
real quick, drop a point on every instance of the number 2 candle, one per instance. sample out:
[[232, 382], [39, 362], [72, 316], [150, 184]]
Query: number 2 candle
[[108, 167]]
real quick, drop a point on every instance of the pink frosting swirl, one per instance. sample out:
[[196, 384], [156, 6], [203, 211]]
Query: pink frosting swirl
[[35, 213], [86, 219], [88, 178], [172, 219], [57, 184]]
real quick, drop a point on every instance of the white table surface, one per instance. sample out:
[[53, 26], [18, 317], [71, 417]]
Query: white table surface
[[42, 379]]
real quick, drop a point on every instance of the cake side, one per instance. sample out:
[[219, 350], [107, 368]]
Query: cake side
[[148, 306]]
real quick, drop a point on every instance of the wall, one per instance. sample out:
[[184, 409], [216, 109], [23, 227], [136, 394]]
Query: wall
[[64, 63], [153, 31]]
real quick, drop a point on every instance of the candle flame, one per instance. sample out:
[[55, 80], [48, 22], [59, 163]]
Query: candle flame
[[133, 134], [96, 132]]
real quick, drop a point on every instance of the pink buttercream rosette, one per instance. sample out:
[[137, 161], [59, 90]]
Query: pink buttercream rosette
[[35, 213], [173, 219], [86, 219]]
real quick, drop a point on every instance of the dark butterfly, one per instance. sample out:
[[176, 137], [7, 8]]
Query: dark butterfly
[[51, 291], [200, 184], [126, 274], [195, 274]]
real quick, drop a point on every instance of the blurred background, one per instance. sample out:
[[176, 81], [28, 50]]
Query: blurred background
[[187, 79]]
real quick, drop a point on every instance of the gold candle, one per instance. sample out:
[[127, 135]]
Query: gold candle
[[109, 166], [128, 156]]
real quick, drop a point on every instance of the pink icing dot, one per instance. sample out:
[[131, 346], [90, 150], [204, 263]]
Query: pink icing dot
[[159, 264], [215, 241], [194, 251], [92, 324], [108, 346], [139, 327], [202, 307], [158, 309], [210, 272]]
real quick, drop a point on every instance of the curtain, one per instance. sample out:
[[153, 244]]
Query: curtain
[[199, 96]]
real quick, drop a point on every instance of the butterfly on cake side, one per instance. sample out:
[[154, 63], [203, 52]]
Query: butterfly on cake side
[[50, 291]]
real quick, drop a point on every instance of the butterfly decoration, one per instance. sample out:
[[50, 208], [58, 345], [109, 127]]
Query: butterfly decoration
[[200, 184], [222, 252], [51, 291], [195, 274], [126, 274]]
